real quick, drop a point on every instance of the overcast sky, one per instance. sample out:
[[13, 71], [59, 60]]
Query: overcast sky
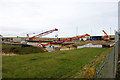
[[71, 17]]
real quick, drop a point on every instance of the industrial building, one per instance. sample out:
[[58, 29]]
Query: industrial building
[[96, 38], [111, 37]]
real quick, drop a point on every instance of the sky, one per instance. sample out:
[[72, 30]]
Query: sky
[[70, 17]]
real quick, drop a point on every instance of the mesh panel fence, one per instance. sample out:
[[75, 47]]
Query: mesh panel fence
[[109, 67]]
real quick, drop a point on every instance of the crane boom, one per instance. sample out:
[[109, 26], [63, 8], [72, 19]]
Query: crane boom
[[105, 33], [43, 34], [69, 39], [66, 40], [77, 37]]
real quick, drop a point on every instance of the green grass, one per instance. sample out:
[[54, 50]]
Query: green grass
[[62, 64], [20, 50], [95, 64]]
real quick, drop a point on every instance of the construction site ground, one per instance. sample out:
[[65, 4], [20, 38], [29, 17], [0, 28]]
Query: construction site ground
[[73, 45], [66, 46], [102, 42]]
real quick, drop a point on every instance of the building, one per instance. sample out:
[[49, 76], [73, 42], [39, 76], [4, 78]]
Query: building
[[111, 37], [96, 38]]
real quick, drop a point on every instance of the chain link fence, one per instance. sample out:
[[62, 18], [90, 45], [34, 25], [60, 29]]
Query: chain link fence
[[0, 57], [108, 68]]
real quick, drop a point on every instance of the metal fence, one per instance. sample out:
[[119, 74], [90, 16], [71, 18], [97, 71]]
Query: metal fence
[[0, 57], [109, 67]]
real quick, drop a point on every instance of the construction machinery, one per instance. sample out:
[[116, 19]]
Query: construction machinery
[[41, 34], [64, 40], [53, 42], [106, 36], [69, 39], [29, 39], [76, 37]]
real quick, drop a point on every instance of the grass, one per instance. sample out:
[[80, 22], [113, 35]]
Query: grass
[[20, 50], [93, 64], [62, 64]]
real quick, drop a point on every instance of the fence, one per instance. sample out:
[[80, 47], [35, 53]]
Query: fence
[[109, 67], [0, 57]]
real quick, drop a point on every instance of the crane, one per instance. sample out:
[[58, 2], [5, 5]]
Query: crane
[[69, 39], [41, 34], [65, 40], [106, 35], [77, 37]]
